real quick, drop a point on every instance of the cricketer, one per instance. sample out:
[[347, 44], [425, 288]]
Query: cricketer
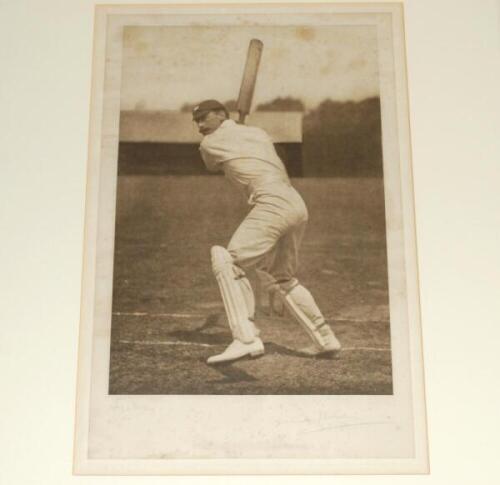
[[268, 239]]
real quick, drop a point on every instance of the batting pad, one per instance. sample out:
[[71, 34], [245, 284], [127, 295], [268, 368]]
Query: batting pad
[[300, 303], [230, 281]]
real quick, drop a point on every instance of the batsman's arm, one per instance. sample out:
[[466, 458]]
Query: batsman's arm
[[211, 161], [211, 165]]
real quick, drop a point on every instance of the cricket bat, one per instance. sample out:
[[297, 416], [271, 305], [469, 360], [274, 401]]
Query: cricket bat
[[249, 79]]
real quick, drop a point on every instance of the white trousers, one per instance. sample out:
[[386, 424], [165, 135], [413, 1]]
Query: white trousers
[[268, 240], [269, 237]]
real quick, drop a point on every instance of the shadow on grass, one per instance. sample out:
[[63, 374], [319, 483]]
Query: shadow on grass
[[273, 348], [198, 336], [232, 374]]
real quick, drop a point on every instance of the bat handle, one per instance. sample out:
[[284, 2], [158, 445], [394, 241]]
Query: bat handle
[[241, 119]]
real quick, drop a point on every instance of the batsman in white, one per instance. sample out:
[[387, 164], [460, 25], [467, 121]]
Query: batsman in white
[[268, 238]]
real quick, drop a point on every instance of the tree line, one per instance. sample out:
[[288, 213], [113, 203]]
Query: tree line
[[340, 138]]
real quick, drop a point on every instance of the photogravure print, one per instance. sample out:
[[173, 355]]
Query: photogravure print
[[255, 292]]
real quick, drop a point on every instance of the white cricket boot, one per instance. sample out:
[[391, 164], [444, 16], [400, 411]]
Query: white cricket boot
[[237, 350], [329, 343]]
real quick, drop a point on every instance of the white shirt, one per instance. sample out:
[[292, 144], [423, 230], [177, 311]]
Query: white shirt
[[246, 154]]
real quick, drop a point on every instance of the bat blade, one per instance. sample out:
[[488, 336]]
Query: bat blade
[[249, 79]]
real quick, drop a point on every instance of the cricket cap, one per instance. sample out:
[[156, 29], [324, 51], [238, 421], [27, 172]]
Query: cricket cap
[[206, 106]]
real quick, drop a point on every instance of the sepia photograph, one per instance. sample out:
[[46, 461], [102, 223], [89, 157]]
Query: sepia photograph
[[282, 212], [250, 243]]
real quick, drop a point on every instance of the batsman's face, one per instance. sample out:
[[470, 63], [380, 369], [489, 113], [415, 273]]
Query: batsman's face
[[210, 122]]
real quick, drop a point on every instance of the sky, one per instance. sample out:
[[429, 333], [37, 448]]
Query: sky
[[165, 67]]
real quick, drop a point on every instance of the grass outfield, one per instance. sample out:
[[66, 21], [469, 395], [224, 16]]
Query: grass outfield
[[167, 313]]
